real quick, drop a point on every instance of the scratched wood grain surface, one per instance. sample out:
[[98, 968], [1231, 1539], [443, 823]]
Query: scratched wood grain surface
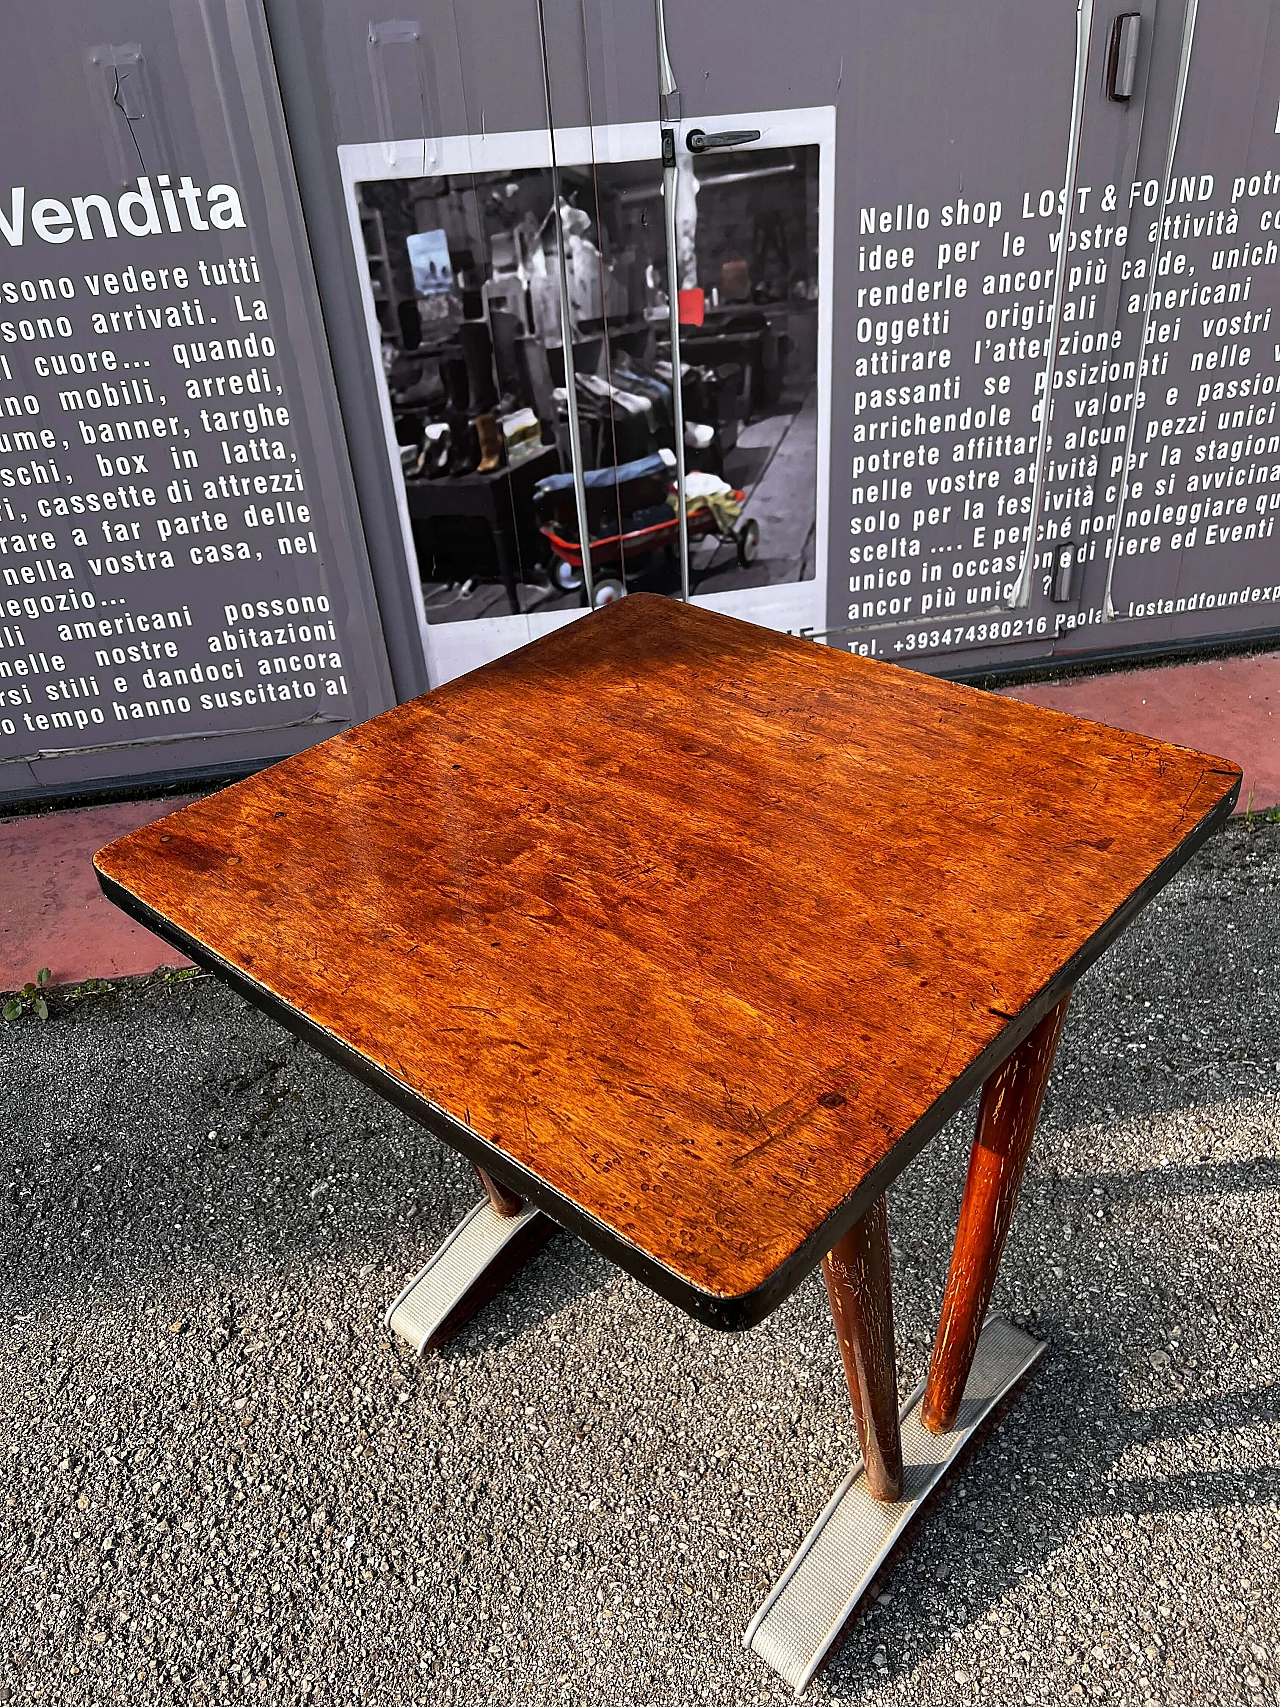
[[687, 920]]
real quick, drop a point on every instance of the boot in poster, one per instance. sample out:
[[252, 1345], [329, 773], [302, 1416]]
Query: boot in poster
[[436, 450], [453, 375], [466, 448], [489, 434], [477, 351]]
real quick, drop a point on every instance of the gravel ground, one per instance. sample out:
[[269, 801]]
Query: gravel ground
[[223, 1481]]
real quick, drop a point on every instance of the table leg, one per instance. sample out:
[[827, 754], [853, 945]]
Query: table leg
[[1007, 1118], [858, 1284], [504, 1201], [980, 1362], [844, 1555], [488, 1246]]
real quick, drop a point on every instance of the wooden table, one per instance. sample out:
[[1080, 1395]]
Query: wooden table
[[691, 935]]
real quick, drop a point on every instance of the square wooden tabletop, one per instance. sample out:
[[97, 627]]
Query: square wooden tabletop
[[691, 932]]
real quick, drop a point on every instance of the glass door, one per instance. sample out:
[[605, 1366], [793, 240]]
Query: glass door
[[1195, 484], [1091, 370]]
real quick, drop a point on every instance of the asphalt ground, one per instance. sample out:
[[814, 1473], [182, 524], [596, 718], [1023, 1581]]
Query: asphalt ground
[[223, 1481]]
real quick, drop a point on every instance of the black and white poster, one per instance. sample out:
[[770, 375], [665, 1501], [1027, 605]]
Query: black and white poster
[[462, 295]]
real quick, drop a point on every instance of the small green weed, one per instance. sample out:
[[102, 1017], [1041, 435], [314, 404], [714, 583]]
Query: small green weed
[[1271, 814], [29, 997], [182, 974]]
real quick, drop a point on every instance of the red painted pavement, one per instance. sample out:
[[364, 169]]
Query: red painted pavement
[[53, 914], [1229, 707]]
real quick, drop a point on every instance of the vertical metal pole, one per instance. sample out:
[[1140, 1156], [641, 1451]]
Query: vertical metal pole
[[1021, 595], [1109, 612], [566, 328], [670, 103], [668, 88], [669, 171]]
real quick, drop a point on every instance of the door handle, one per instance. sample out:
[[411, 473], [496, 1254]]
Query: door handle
[[698, 141], [1122, 60]]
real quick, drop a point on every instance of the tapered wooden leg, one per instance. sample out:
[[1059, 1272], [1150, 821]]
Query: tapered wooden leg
[[858, 1285], [1007, 1118], [504, 1201]]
